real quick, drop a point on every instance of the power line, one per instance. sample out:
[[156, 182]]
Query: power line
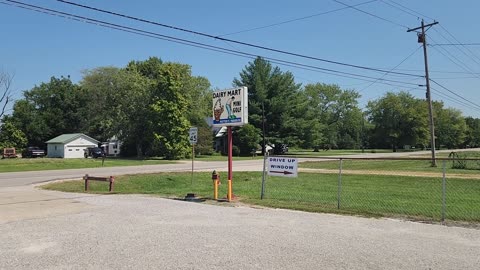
[[453, 99], [445, 88], [474, 55], [371, 14], [296, 19], [456, 44], [457, 61], [399, 8], [230, 40], [458, 48], [198, 44], [405, 59], [409, 9]]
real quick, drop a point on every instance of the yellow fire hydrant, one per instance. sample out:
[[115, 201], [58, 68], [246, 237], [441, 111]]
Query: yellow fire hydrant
[[216, 183]]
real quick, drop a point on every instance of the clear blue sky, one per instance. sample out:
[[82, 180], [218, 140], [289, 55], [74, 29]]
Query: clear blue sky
[[36, 46]]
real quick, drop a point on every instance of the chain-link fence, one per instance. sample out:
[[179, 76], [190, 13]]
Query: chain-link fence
[[406, 188]]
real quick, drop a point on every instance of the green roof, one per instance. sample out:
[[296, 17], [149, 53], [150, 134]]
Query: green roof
[[65, 138]]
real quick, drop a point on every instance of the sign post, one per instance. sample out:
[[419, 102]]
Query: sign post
[[230, 108], [193, 136]]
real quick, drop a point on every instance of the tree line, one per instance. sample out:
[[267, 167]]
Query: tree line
[[151, 104]]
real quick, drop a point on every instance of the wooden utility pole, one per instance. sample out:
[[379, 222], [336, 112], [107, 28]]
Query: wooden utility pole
[[422, 38]]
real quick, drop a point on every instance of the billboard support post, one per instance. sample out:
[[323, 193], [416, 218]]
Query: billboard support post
[[230, 108]]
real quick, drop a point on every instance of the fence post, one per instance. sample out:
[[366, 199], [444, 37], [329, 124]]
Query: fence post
[[339, 184], [444, 190]]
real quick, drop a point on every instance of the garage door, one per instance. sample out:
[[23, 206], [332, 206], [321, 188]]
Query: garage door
[[75, 152]]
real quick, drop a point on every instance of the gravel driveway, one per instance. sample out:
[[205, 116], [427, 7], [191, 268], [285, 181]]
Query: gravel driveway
[[141, 232]]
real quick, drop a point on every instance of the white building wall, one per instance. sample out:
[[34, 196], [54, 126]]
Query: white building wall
[[76, 148]]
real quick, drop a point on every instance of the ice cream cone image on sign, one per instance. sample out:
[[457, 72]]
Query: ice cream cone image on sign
[[218, 110]]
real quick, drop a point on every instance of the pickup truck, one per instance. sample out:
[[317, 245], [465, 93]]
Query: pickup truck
[[32, 152]]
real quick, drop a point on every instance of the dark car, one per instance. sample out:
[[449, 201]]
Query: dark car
[[280, 149], [32, 152], [94, 152]]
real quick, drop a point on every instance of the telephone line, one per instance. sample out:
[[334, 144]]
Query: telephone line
[[445, 88], [296, 19], [230, 40], [371, 14], [198, 44]]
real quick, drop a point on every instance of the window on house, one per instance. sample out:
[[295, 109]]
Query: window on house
[[70, 150], [55, 147]]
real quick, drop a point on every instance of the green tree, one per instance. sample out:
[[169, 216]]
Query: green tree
[[325, 115], [274, 89], [472, 136], [11, 136], [399, 119], [450, 126], [49, 110], [247, 139], [170, 104], [119, 106]]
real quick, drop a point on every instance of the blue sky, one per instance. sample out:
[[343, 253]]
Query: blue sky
[[36, 46]]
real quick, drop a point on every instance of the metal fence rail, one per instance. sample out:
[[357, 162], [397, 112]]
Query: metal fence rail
[[396, 187]]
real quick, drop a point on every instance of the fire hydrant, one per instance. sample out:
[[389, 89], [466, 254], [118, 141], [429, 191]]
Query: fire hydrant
[[216, 183]]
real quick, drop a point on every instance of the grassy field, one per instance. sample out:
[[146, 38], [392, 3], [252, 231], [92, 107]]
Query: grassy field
[[393, 165], [40, 164], [392, 196]]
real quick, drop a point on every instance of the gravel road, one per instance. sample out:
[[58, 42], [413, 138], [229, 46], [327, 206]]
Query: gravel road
[[140, 232]]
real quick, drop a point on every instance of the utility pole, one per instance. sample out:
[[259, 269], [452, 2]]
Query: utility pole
[[422, 38]]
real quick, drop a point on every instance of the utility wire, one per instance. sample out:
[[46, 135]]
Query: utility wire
[[456, 44], [230, 40], [197, 44], [445, 88], [472, 53], [456, 61], [453, 99], [405, 59], [371, 14], [401, 7], [458, 48], [296, 19]]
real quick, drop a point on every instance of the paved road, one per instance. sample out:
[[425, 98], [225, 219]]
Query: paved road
[[26, 178], [140, 232]]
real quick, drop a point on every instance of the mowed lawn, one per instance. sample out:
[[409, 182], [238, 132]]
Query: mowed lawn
[[40, 164], [391, 196], [473, 167]]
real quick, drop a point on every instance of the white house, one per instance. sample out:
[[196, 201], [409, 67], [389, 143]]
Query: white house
[[70, 145]]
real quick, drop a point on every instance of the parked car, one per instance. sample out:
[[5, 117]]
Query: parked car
[[280, 149], [94, 152], [9, 153], [33, 152]]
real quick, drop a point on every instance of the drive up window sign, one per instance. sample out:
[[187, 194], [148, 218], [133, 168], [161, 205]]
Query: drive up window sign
[[282, 166], [230, 107]]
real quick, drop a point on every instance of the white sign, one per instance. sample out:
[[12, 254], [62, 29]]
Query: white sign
[[230, 107], [192, 135], [282, 166]]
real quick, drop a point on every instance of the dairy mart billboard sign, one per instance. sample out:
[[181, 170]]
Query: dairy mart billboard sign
[[230, 107]]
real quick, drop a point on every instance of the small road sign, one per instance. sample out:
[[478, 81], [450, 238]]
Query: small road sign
[[282, 166], [193, 134]]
